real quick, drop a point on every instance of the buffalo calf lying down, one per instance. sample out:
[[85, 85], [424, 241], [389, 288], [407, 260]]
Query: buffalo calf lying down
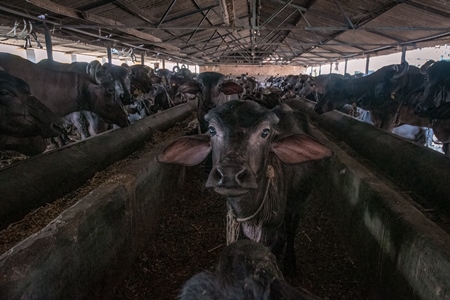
[[264, 163], [246, 270]]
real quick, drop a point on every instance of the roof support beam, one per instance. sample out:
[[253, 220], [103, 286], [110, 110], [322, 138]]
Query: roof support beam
[[428, 9], [379, 11], [228, 12], [388, 36], [190, 13], [195, 31], [266, 28], [73, 13], [350, 23], [166, 13], [94, 5], [209, 40], [311, 11], [129, 6], [276, 14]]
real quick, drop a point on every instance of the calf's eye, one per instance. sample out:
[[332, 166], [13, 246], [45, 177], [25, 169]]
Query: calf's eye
[[212, 131], [265, 133]]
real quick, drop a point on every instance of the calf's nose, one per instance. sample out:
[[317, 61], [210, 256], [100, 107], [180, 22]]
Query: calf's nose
[[231, 177]]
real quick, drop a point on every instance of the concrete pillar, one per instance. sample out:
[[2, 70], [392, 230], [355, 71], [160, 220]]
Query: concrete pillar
[[73, 57], [367, 63], [142, 57], [345, 66], [320, 69], [108, 53], [331, 67], [48, 44], [163, 64], [403, 59]]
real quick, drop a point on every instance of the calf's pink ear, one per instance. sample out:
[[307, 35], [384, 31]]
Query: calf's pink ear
[[298, 148], [231, 88], [186, 151]]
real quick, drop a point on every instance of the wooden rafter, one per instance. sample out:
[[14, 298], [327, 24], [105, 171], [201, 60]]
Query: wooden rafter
[[76, 14], [228, 12]]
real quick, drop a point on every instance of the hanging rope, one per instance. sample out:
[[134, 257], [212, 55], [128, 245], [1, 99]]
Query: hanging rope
[[233, 226]]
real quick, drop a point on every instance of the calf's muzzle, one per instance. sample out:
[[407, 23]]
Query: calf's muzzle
[[231, 177]]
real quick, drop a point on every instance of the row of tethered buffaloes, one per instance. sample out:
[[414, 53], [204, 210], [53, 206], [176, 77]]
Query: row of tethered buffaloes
[[45, 102]]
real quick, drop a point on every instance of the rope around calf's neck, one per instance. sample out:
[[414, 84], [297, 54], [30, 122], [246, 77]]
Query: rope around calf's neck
[[233, 226]]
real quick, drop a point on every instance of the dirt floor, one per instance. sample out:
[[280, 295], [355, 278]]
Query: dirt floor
[[192, 234]]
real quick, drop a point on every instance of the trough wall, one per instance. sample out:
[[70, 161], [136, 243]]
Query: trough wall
[[43, 178], [404, 254], [414, 168], [91, 246]]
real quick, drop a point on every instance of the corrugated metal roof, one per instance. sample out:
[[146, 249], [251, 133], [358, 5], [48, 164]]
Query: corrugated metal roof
[[297, 32]]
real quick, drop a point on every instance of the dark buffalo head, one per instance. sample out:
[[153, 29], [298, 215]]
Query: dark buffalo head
[[22, 115], [389, 83], [113, 77], [242, 135], [337, 92], [105, 103], [436, 88], [140, 78], [213, 89], [164, 74], [121, 80]]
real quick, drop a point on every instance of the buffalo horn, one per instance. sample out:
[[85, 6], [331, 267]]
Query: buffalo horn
[[92, 69], [404, 67], [424, 68]]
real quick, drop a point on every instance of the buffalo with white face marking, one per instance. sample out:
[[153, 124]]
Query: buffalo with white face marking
[[263, 163], [212, 90]]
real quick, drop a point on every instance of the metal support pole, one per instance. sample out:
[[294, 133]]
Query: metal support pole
[[331, 67], [403, 54], [48, 44], [320, 69], [163, 63], [367, 63], [345, 66], [142, 58], [108, 53]]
